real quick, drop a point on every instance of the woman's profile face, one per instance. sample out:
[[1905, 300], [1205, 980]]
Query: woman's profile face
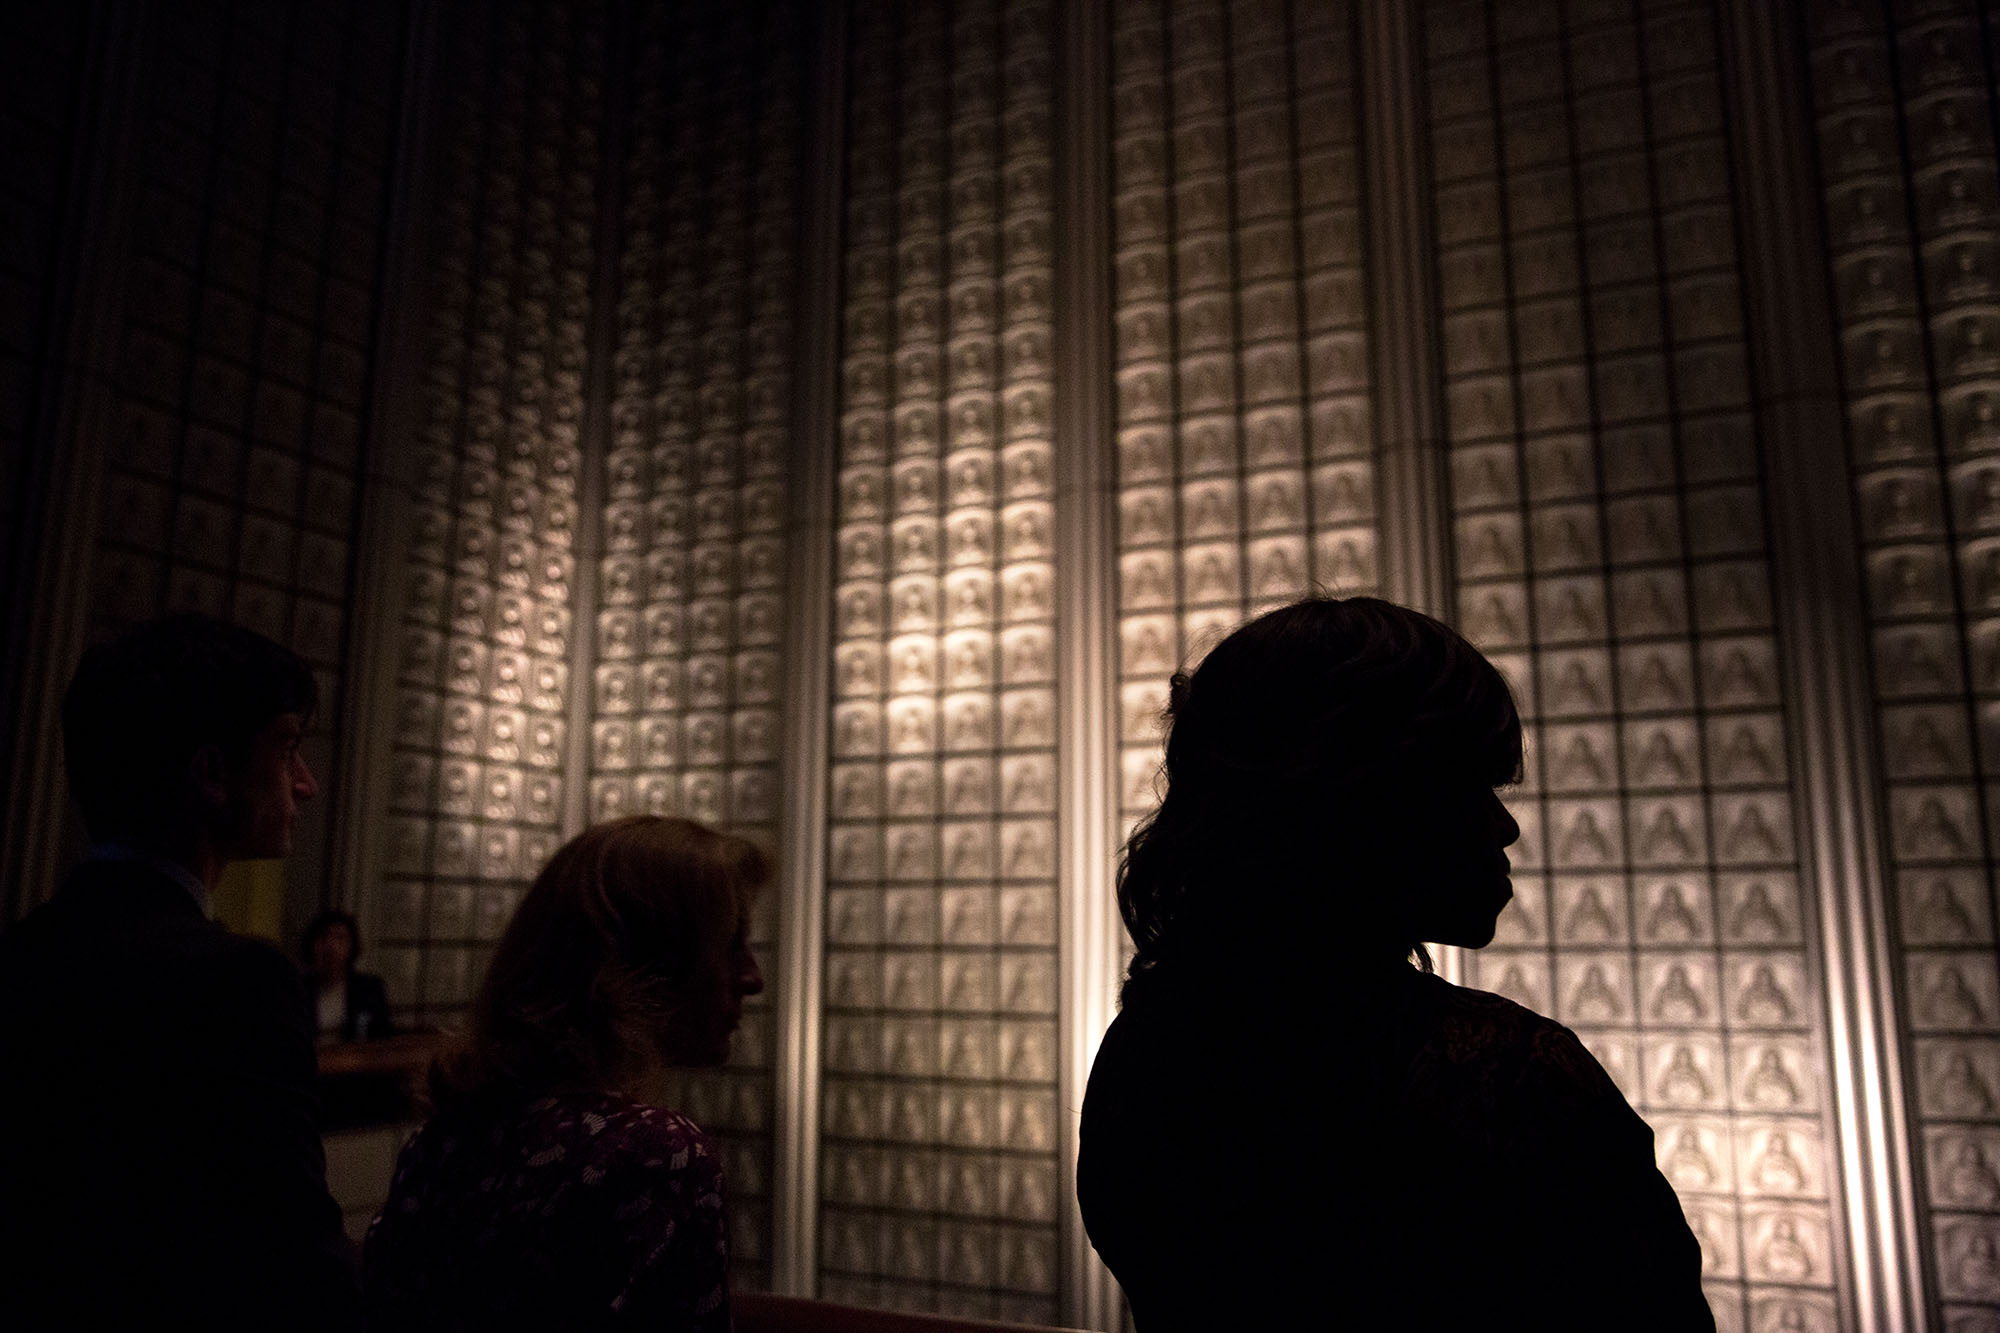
[[697, 1036], [1444, 860]]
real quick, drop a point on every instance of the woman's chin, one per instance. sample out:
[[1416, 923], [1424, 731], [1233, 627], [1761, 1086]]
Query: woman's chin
[[1475, 933]]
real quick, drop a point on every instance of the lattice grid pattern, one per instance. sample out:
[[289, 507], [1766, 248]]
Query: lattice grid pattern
[[1912, 210], [1605, 493], [1611, 559], [483, 683], [688, 676], [1244, 467], [243, 376], [43, 65], [940, 1130]]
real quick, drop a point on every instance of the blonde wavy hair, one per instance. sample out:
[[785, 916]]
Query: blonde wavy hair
[[599, 956]]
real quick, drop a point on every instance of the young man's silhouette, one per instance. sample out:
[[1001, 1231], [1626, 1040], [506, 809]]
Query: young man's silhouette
[[160, 1160]]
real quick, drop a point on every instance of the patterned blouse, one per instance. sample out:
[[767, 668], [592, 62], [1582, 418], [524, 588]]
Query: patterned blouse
[[578, 1211]]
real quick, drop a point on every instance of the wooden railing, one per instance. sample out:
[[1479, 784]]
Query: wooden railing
[[786, 1314], [408, 1054], [363, 1083]]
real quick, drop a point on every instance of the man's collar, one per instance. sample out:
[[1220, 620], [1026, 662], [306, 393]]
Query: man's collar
[[166, 865]]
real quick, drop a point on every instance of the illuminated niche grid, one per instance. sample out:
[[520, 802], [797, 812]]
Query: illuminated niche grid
[[483, 678], [1912, 209], [1612, 561], [41, 126], [688, 676], [243, 376], [940, 1184], [1244, 446]]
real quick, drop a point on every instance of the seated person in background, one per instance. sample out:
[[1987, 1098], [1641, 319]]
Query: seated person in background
[[1288, 1125], [553, 1188], [352, 1006], [160, 1161]]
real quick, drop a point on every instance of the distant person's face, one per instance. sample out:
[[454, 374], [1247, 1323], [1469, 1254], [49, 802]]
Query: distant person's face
[[333, 951], [698, 1035], [266, 792], [1447, 870]]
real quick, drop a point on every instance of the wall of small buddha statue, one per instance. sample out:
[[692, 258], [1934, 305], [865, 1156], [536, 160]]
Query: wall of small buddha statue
[[836, 423]]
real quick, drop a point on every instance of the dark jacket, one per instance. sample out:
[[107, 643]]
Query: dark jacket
[[160, 1159], [1396, 1153]]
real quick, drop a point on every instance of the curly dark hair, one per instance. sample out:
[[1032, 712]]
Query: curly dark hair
[[1298, 735], [599, 955]]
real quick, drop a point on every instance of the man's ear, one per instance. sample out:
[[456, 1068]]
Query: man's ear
[[208, 772]]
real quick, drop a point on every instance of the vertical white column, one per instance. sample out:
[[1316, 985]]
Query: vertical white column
[[374, 637], [1820, 619], [593, 439], [1412, 523], [1408, 393], [808, 646], [1086, 629]]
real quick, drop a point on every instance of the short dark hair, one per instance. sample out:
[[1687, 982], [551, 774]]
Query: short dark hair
[[141, 705], [321, 924]]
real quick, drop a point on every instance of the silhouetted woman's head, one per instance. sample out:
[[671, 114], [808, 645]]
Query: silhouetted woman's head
[[629, 951], [1330, 779]]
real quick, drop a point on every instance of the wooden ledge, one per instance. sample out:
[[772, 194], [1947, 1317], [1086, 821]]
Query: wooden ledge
[[755, 1313], [408, 1054]]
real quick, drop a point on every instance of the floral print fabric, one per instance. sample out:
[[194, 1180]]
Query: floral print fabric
[[574, 1211]]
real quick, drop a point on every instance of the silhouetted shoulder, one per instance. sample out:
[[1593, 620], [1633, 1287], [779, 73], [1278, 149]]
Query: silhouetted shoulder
[[125, 953], [1465, 1005], [640, 1152], [1470, 1048], [254, 964], [245, 992], [662, 1147], [670, 1164], [653, 1132], [1476, 1025]]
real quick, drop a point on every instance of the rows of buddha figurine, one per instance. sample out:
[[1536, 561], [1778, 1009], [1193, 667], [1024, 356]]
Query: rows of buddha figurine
[[939, 1183], [687, 683], [1910, 192], [242, 379], [1611, 561], [1243, 469], [237, 351], [477, 782]]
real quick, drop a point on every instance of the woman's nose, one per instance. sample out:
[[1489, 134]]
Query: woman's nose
[[1510, 828], [750, 980]]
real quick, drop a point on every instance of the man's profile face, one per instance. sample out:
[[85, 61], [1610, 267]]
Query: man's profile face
[[266, 791]]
